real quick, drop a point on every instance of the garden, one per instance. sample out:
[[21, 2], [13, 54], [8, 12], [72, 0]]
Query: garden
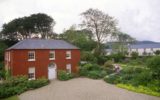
[[138, 74]]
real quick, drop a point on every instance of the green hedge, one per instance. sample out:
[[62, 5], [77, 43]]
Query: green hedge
[[63, 75], [19, 84]]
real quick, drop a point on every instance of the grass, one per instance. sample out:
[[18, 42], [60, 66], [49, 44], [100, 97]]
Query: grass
[[139, 89], [12, 98]]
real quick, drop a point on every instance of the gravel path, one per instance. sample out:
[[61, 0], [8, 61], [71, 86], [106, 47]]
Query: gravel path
[[82, 89]]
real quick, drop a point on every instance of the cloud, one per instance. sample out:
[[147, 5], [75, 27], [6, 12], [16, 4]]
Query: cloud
[[139, 18]]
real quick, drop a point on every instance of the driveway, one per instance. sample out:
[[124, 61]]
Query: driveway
[[82, 89]]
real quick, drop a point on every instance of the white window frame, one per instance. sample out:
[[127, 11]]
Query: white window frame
[[9, 56], [69, 68], [6, 56], [68, 53], [29, 69], [33, 56], [52, 52]]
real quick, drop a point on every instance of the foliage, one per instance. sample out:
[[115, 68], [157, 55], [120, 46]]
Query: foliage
[[93, 71], [101, 59], [63, 75], [112, 78], [96, 74], [139, 77], [123, 40], [100, 24], [88, 56], [108, 66], [32, 84], [154, 65], [3, 46], [134, 55], [117, 57], [140, 89], [12, 98], [24, 27], [19, 84], [80, 38], [157, 52], [2, 70]]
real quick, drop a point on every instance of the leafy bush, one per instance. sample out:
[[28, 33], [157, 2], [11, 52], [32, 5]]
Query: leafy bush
[[154, 65], [94, 74], [33, 84], [134, 55], [157, 52], [19, 84], [118, 57], [88, 67], [101, 60], [112, 78], [2, 70], [108, 66], [88, 56], [63, 75]]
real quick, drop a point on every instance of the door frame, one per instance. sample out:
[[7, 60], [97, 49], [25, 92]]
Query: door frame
[[52, 64]]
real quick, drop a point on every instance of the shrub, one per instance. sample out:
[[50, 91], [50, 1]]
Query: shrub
[[19, 84], [101, 60], [94, 74], [118, 57], [108, 66], [88, 67], [154, 65], [88, 56], [157, 52], [33, 84], [112, 78], [134, 55], [63, 75]]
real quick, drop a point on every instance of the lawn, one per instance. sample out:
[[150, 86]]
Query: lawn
[[12, 98]]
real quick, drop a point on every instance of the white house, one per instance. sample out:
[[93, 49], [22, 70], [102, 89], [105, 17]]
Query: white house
[[141, 48], [144, 49]]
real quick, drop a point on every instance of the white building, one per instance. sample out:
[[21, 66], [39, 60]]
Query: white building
[[144, 49], [141, 48]]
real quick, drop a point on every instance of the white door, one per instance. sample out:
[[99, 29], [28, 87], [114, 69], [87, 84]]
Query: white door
[[52, 72]]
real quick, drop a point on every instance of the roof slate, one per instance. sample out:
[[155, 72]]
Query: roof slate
[[43, 44]]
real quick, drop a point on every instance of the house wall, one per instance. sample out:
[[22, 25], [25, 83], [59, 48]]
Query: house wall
[[20, 63], [142, 50]]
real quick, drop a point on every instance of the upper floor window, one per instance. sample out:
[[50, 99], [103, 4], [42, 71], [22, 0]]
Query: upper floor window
[[51, 55], [68, 54], [31, 56]]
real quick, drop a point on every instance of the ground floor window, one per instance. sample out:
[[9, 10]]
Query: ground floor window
[[31, 73], [68, 67]]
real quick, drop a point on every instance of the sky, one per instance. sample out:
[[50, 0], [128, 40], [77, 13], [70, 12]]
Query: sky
[[138, 18]]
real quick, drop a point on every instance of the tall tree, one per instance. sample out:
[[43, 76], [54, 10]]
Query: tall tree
[[80, 38], [100, 24], [25, 27], [124, 40]]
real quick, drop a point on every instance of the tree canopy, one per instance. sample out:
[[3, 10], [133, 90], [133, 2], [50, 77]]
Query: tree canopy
[[80, 38], [25, 27], [100, 24]]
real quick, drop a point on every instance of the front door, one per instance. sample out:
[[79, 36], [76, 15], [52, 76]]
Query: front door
[[52, 74]]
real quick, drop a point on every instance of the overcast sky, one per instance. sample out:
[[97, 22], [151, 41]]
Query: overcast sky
[[139, 18]]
